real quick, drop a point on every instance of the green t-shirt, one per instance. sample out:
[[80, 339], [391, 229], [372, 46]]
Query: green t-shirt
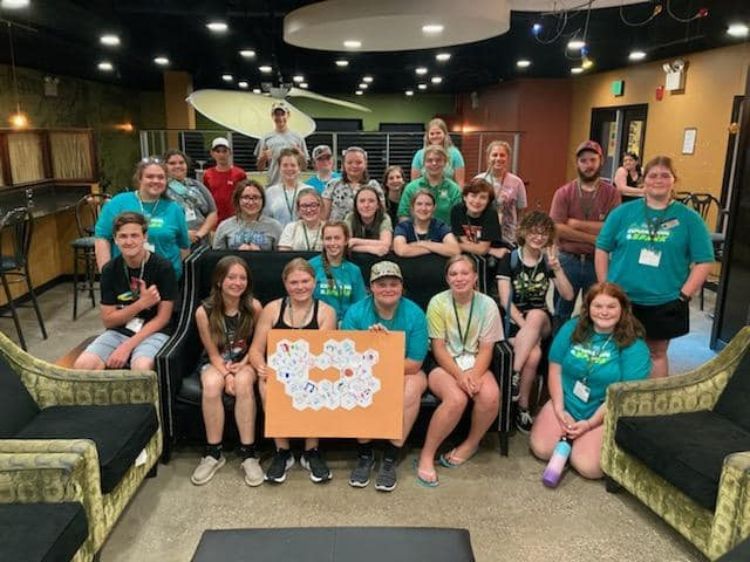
[[597, 363], [455, 161], [446, 194], [678, 235], [347, 288]]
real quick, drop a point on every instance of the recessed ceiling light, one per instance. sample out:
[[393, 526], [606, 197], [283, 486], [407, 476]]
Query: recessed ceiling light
[[352, 44], [298, 78], [523, 63], [421, 71], [433, 28], [244, 85], [257, 90], [409, 92], [227, 77], [358, 93], [442, 57], [738, 30], [161, 61], [637, 55], [587, 63], [576, 70], [342, 63], [217, 26], [363, 86], [14, 4], [576, 44], [303, 85], [265, 69], [422, 86], [436, 79], [110, 40], [247, 53], [105, 66], [367, 79]]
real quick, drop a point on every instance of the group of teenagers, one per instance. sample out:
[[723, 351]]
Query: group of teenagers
[[635, 265]]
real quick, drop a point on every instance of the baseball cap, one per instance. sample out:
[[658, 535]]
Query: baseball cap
[[385, 269], [321, 150], [593, 146], [219, 141], [279, 105]]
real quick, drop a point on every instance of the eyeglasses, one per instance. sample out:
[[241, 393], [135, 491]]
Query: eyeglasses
[[309, 206], [537, 233], [251, 198]]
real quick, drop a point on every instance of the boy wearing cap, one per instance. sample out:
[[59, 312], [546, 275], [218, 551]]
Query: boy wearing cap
[[269, 147], [221, 179], [579, 209], [385, 310], [323, 161]]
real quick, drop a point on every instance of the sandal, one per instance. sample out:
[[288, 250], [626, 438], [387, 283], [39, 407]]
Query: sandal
[[426, 479], [450, 460]]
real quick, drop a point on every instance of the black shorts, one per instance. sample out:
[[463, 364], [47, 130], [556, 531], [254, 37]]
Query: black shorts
[[514, 328], [664, 321]]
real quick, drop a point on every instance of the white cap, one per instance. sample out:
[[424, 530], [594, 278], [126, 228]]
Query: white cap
[[219, 141]]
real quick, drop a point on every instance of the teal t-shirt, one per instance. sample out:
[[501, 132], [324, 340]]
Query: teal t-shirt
[[318, 185], [679, 235], [446, 194], [348, 286], [408, 318], [597, 362], [455, 161], [167, 228]]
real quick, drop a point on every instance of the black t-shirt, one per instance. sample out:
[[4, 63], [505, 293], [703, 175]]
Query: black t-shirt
[[484, 228], [231, 348], [530, 284], [120, 288]]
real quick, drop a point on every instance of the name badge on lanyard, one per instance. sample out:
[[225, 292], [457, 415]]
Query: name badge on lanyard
[[465, 361], [581, 391], [190, 214], [650, 257]]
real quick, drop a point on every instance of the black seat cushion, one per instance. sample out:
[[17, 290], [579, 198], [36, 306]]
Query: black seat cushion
[[36, 532], [733, 402], [687, 450], [120, 432], [191, 391], [17, 407]]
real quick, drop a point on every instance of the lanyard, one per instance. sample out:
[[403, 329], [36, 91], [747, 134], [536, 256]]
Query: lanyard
[[135, 287], [143, 209], [654, 220], [310, 248], [236, 321], [592, 358], [290, 206], [461, 334], [587, 203]]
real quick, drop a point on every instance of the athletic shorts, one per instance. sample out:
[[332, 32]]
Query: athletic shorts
[[664, 321]]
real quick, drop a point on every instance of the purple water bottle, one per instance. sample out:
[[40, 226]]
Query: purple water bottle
[[556, 464]]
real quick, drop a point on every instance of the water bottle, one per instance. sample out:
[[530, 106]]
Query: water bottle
[[556, 464]]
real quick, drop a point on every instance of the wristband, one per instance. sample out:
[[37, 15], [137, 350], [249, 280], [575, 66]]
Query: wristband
[[683, 297]]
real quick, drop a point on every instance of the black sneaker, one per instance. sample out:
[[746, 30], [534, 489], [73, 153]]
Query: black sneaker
[[385, 481], [313, 461], [282, 461], [515, 386], [360, 476], [524, 421]]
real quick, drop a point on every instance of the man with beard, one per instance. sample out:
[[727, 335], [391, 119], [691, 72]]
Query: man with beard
[[579, 209]]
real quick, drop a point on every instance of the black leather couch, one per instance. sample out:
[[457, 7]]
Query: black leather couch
[[176, 362]]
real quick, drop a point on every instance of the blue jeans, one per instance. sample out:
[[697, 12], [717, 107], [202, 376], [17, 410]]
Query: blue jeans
[[581, 275]]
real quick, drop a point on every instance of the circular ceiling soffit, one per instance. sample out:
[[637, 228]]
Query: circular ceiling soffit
[[564, 5], [394, 25]]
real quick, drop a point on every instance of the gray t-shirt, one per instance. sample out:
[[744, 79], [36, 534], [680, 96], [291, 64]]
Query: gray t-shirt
[[194, 198], [276, 142], [233, 233]]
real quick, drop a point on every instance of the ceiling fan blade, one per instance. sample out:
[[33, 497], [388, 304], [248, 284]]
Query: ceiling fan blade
[[246, 113], [300, 93]]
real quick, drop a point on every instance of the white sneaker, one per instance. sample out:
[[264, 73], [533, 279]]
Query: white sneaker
[[206, 469], [253, 472]]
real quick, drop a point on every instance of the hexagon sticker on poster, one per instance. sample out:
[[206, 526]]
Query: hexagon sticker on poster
[[331, 383]]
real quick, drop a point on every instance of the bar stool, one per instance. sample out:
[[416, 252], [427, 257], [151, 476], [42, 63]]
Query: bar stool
[[87, 212], [18, 224]]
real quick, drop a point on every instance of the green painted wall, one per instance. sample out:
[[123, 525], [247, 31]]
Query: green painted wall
[[386, 108], [88, 104]]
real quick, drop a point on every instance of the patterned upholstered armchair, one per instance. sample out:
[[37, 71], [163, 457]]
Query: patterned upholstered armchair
[[681, 445], [75, 436]]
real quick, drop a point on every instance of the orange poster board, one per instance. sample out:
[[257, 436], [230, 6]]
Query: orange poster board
[[334, 383]]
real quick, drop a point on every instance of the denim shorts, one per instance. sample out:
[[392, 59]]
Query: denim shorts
[[104, 345]]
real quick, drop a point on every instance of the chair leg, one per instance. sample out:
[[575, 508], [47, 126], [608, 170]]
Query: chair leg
[[35, 302], [75, 283], [503, 436], [703, 288], [13, 311], [91, 276], [611, 486]]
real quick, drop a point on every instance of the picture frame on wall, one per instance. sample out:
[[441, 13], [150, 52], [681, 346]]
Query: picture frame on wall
[[688, 140]]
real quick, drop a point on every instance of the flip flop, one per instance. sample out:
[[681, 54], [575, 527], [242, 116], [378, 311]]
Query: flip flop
[[447, 460], [430, 482]]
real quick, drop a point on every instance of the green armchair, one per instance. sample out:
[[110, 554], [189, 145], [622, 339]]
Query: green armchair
[[103, 466], [681, 446]]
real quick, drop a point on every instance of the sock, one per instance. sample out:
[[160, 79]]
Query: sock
[[391, 452], [365, 450], [246, 451], [213, 450]]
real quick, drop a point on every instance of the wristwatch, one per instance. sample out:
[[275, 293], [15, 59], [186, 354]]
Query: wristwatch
[[684, 298]]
